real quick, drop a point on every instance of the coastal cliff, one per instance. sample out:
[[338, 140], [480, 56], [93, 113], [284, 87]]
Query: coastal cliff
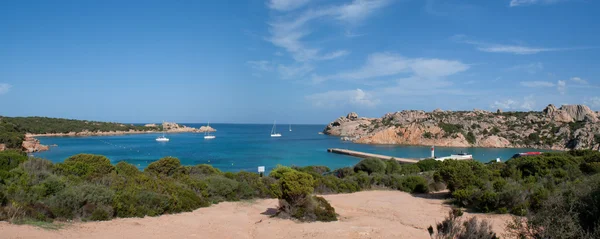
[[567, 127]]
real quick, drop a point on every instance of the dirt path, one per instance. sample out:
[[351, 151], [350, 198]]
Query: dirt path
[[371, 214]]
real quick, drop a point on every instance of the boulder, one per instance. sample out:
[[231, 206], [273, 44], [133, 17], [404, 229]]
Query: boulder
[[438, 110], [549, 110], [494, 142], [352, 116], [2, 147], [499, 111]]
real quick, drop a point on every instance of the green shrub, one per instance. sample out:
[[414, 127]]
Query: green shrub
[[459, 174], [278, 171], [125, 169], [392, 167], [222, 189], [343, 172], [428, 164], [427, 135], [470, 137], [166, 166], [87, 166], [80, 201], [10, 159], [410, 169], [204, 170], [370, 165], [410, 184], [296, 186]]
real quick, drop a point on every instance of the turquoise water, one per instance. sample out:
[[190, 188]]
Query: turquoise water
[[243, 147]]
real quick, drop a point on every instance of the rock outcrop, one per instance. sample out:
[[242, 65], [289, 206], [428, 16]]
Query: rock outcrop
[[31, 145], [570, 126], [176, 128], [2, 147]]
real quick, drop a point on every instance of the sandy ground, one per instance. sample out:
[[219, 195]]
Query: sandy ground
[[371, 214]]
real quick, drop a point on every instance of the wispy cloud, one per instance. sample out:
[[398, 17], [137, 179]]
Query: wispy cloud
[[284, 71], [4, 88], [579, 80], [286, 5], [537, 84], [562, 87], [530, 68], [356, 97], [503, 48], [517, 3], [528, 103], [389, 64], [594, 102], [260, 65], [288, 33]]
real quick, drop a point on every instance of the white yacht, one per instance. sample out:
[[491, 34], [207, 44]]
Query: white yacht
[[207, 134], [274, 130], [460, 156], [162, 138]]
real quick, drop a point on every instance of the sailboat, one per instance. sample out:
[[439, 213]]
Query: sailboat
[[162, 138], [274, 131], [207, 133], [290, 127]]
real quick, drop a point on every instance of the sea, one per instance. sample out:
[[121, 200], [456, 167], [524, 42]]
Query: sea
[[245, 147]]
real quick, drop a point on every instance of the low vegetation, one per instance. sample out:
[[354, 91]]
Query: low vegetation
[[88, 187], [553, 187]]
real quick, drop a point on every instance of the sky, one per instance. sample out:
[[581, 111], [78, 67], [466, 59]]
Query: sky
[[294, 61]]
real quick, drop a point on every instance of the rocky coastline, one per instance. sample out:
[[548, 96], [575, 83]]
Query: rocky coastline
[[31, 144], [567, 127]]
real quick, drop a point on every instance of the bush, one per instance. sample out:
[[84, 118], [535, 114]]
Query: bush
[[470, 137], [86, 166], [370, 165], [221, 189], [278, 171], [80, 201], [10, 159], [410, 184], [204, 170], [166, 166], [428, 164], [125, 169], [454, 227], [295, 186], [392, 167]]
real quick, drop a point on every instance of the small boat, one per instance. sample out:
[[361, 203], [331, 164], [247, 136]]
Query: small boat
[[162, 138], [290, 127], [207, 134], [460, 156], [274, 130], [320, 133]]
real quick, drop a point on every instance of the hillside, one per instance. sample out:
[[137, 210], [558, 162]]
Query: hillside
[[19, 132], [567, 127]]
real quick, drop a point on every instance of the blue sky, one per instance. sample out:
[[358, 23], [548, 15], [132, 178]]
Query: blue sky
[[297, 61]]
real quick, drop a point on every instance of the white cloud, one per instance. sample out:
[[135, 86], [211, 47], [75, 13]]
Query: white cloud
[[530, 68], [288, 33], [286, 5], [594, 102], [4, 88], [528, 103], [562, 86], [516, 3], [505, 105], [261, 65], [294, 71], [502, 48], [356, 97], [388, 64], [537, 84], [579, 80]]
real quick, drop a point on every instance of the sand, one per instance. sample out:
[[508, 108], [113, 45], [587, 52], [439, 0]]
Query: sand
[[370, 214]]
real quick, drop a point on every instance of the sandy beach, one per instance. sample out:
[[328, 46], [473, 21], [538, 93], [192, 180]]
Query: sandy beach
[[369, 214]]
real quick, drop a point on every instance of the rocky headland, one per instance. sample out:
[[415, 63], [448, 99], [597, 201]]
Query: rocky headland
[[567, 127]]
